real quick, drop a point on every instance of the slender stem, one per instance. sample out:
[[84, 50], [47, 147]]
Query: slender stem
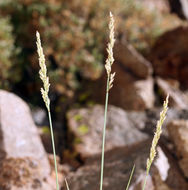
[[53, 147], [145, 180], [130, 177], [67, 185], [104, 132]]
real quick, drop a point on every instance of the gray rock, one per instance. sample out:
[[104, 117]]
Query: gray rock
[[180, 7], [87, 126], [124, 128], [133, 84], [20, 143], [177, 98], [170, 61], [39, 116], [178, 130], [118, 165], [130, 60]]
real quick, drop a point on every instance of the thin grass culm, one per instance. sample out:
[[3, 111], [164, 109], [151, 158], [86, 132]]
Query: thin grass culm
[[156, 139], [110, 79], [44, 92], [130, 178]]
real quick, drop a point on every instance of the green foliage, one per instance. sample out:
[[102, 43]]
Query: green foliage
[[7, 52], [74, 35], [143, 25]]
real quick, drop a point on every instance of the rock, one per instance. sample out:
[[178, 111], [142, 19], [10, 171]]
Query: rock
[[178, 131], [122, 126], [131, 61], [184, 6], [164, 175], [133, 84], [138, 184], [87, 126], [22, 155], [170, 61], [159, 184], [23, 173], [177, 98], [162, 164], [180, 7], [118, 165], [136, 94], [39, 116]]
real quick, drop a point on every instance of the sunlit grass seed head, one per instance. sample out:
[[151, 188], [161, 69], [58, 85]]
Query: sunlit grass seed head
[[157, 135], [43, 73], [110, 59]]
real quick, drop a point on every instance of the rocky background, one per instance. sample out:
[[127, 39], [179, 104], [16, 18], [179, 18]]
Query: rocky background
[[151, 61]]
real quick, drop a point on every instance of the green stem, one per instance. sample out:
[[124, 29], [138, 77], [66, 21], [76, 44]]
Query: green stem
[[131, 175], [53, 147], [145, 180], [104, 132]]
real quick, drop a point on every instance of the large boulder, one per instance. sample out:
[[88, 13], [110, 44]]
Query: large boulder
[[178, 99], [133, 84], [23, 161], [124, 128], [86, 124], [180, 7], [118, 165], [178, 130], [169, 55]]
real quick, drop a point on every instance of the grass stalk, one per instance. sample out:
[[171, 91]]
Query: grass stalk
[[156, 139], [54, 151], [44, 92], [104, 134], [67, 185], [131, 175], [110, 79], [145, 180]]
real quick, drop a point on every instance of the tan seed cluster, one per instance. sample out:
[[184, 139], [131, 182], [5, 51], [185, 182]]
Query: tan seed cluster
[[43, 73], [157, 134], [110, 59]]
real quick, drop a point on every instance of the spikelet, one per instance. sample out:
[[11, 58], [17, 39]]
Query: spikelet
[[157, 135], [110, 59], [43, 73]]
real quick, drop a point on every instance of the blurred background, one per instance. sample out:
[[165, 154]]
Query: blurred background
[[151, 61]]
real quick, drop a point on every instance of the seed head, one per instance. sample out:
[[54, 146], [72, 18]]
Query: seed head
[[110, 59], [43, 73], [157, 134]]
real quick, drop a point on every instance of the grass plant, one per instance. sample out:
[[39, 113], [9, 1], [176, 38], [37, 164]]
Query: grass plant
[[110, 79], [156, 139], [44, 92], [109, 85]]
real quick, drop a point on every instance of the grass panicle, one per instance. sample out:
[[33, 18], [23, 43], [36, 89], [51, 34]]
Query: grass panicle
[[44, 92], [110, 79], [156, 139], [110, 59], [43, 73]]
